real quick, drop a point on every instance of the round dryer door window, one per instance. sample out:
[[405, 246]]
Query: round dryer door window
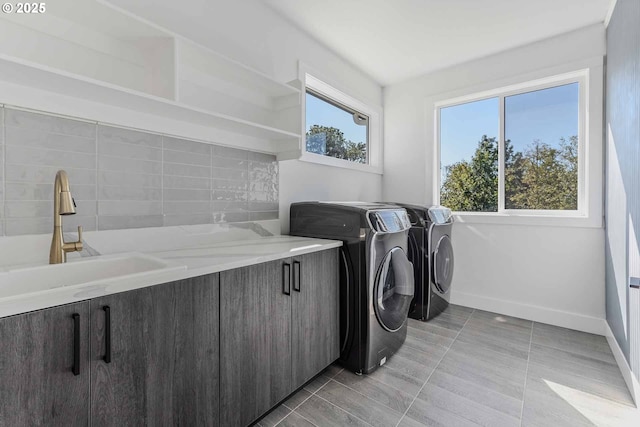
[[393, 291], [443, 264]]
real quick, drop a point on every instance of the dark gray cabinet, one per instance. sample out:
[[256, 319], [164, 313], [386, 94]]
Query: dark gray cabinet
[[278, 329], [255, 340], [162, 364], [315, 329], [213, 350], [38, 353]]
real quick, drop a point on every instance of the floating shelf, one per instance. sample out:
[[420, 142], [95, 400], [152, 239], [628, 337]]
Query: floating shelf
[[103, 57], [212, 82], [34, 76], [210, 68], [92, 40]]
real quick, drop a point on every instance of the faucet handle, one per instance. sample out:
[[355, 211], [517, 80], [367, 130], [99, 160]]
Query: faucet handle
[[79, 242]]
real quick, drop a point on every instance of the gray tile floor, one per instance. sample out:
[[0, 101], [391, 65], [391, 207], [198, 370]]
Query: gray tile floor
[[470, 367]]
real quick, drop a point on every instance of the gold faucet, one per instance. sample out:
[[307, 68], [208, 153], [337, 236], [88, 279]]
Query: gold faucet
[[63, 204]]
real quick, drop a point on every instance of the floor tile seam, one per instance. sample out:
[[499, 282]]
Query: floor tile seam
[[605, 348], [431, 332], [585, 368], [523, 335], [370, 398], [621, 386], [433, 370], [281, 419], [526, 375], [487, 409], [342, 409], [614, 364], [502, 354], [607, 400], [490, 390], [299, 404], [396, 370], [337, 373], [615, 368], [303, 417], [420, 350]]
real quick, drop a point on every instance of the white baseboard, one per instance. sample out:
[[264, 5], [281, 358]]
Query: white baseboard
[[578, 322], [625, 369]]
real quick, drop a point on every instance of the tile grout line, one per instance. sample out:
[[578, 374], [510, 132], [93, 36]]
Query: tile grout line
[[526, 373], [97, 215], [315, 393], [343, 410], [162, 181], [304, 418], [434, 369], [210, 213], [377, 381], [597, 380], [308, 397], [298, 414], [365, 396]]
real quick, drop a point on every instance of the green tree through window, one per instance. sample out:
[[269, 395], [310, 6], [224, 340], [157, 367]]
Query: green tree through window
[[539, 177], [330, 141]]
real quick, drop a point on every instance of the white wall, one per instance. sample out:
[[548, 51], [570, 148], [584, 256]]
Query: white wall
[[552, 274], [253, 34]]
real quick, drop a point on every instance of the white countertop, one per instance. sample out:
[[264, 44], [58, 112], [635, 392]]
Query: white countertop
[[182, 252]]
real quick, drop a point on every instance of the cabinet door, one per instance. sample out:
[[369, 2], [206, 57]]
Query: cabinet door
[[315, 317], [163, 367], [255, 340], [37, 382]]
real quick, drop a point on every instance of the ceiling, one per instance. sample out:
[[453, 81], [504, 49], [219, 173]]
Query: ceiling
[[393, 40]]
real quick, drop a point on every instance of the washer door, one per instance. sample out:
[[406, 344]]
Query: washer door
[[393, 290], [443, 264]]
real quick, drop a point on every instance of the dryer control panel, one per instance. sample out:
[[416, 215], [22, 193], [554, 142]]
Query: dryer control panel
[[389, 220], [440, 215]]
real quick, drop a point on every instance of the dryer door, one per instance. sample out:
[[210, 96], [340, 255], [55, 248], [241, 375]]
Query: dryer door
[[393, 289], [443, 264]]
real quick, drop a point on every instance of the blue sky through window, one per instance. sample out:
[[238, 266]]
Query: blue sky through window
[[546, 115], [322, 113]]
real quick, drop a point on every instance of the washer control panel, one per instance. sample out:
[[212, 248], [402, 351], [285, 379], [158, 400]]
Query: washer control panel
[[389, 220]]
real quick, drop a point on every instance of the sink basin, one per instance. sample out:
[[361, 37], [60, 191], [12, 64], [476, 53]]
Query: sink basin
[[49, 277]]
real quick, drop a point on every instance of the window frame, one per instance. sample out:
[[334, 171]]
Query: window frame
[[582, 78], [336, 97]]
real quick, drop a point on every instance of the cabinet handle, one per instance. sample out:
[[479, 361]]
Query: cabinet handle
[[107, 334], [296, 276], [286, 278], [76, 344]]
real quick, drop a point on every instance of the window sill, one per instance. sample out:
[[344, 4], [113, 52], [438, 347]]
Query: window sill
[[577, 220], [339, 163]]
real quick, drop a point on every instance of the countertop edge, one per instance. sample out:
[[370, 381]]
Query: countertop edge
[[33, 302]]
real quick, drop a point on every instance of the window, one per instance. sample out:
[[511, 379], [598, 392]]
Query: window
[[512, 151], [340, 130], [335, 130]]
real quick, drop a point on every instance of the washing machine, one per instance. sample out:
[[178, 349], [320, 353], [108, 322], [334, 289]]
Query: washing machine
[[431, 252], [376, 277]]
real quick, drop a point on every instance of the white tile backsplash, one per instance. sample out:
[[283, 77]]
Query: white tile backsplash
[[122, 178], [48, 123]]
